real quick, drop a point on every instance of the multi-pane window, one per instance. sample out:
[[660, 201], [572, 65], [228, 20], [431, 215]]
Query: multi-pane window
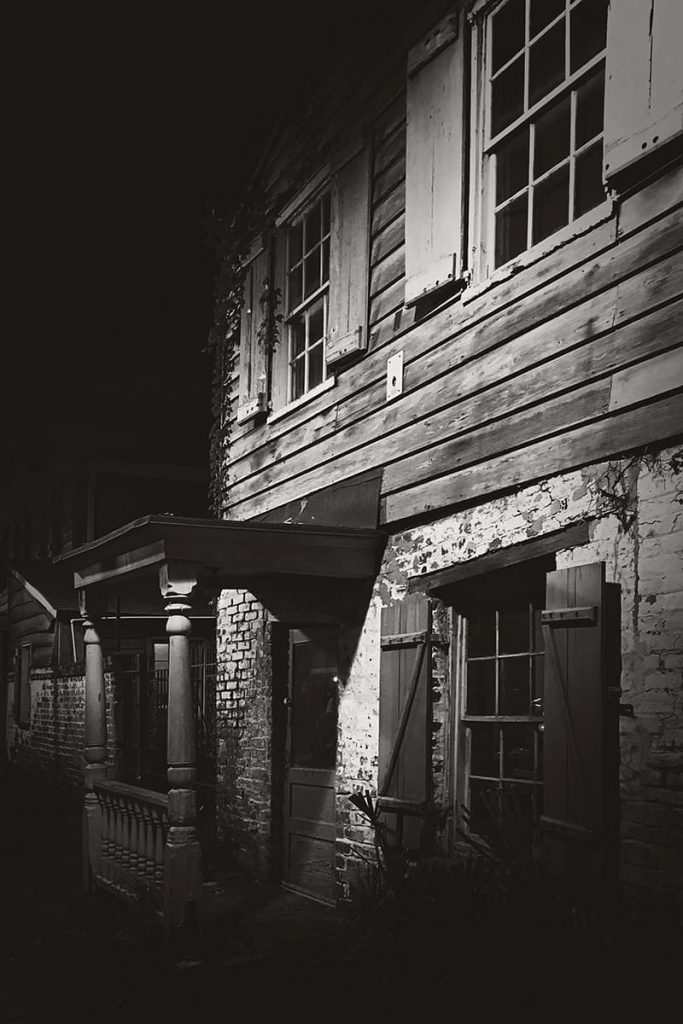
[[308, 271], [545, 129], [501, 714]]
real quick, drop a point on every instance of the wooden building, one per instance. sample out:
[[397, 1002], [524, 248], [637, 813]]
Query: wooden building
[[462, 326], [65, 504], [446, 466]]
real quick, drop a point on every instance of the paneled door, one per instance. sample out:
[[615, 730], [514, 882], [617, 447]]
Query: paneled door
[[311, 758]]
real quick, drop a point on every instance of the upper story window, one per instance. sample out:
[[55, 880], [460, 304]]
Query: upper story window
[[544, 119], [308, 275]]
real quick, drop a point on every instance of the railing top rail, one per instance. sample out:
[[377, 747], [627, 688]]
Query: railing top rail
[[137, 793]]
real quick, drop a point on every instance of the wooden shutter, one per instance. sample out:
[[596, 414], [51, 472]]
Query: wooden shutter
[[575, 813], [280, 360], [349, 254], [405, 715], [434, 143], [644, 80], [253, 347]]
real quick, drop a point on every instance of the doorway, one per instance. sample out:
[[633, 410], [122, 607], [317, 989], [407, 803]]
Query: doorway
[[310, 762]]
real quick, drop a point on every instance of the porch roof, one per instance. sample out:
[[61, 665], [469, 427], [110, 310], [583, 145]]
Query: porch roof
[[225, 553]]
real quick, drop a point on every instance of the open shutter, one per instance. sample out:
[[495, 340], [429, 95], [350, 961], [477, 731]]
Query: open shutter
[[405, 716], [434, 145], [644, 81], [253, 348], [575, 814], [349, 254], [280, 360]]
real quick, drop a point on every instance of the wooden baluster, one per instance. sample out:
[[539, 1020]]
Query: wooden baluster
[[125, 837], [118, 831], [159, 848], [149, 845], [140, 840], [106, 837]]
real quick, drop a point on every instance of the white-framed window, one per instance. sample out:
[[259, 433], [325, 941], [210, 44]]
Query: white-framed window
[[538, 121], [308, 278], [501, 704]]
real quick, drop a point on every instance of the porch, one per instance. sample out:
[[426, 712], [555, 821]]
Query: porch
[[143, 841]]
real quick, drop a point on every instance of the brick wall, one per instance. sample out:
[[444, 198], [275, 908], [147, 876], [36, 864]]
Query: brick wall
[[244, 729], [634, 507], [53, 743]]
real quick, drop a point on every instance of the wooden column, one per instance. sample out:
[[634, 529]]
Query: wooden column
[[95, 751], [182, 855]]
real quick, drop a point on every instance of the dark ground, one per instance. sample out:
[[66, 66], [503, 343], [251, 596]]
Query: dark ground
[[65, 955]]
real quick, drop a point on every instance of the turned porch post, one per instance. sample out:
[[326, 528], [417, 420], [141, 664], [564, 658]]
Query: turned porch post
[[182, 860], [95, 750]]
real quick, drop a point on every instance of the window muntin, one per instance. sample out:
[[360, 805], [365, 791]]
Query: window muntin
[[545, 130], [308, 271], [501, 716]]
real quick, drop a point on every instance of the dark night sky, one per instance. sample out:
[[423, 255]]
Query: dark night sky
[[124, 124]]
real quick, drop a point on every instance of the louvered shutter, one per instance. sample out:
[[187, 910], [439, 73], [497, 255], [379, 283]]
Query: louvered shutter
[[434, 145], [644, 80], [405, 716], [575, 738], [349, 253], [253, 346], [280, 358]]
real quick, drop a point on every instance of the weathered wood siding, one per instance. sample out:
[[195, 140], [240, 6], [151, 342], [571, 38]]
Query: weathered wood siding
[[29, 623], [568, 360]]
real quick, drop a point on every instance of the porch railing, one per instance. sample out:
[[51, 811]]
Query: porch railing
[[127, 851]]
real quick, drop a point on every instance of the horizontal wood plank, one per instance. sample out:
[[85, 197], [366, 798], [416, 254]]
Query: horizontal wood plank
[[391, 149], [390, 118], [389, 239], [391, 206], [387, 181], [591, 442], [387, 301], [516, 375], [388, 271]]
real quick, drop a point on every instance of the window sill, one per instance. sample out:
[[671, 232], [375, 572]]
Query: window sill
[[328, 383], [537, 252]]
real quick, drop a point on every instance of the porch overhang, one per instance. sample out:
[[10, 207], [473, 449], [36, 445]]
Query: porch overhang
[[224, 554]]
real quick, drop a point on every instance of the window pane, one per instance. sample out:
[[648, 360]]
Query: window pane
[[511, 225], [296, 242], [513, 629], [295, 294], [326, 214], [315, 365], [517, 800], [551, 204], [298, 378], [543, 12], [512, 166], [507, 33], [481, 633], [298, 335], [326, 260], [514, 686], [590, 101], [518, 750], [484, 749], [483, 805], [314, 698], [312, 273], [315, 322], [312, 224], [507, 96], [481, 688], [537, 666], [588, 187], [588, 31], [551, 137], [546, 63]]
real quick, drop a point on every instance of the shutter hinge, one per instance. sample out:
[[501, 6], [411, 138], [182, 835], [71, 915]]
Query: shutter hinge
[[587, 616]]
